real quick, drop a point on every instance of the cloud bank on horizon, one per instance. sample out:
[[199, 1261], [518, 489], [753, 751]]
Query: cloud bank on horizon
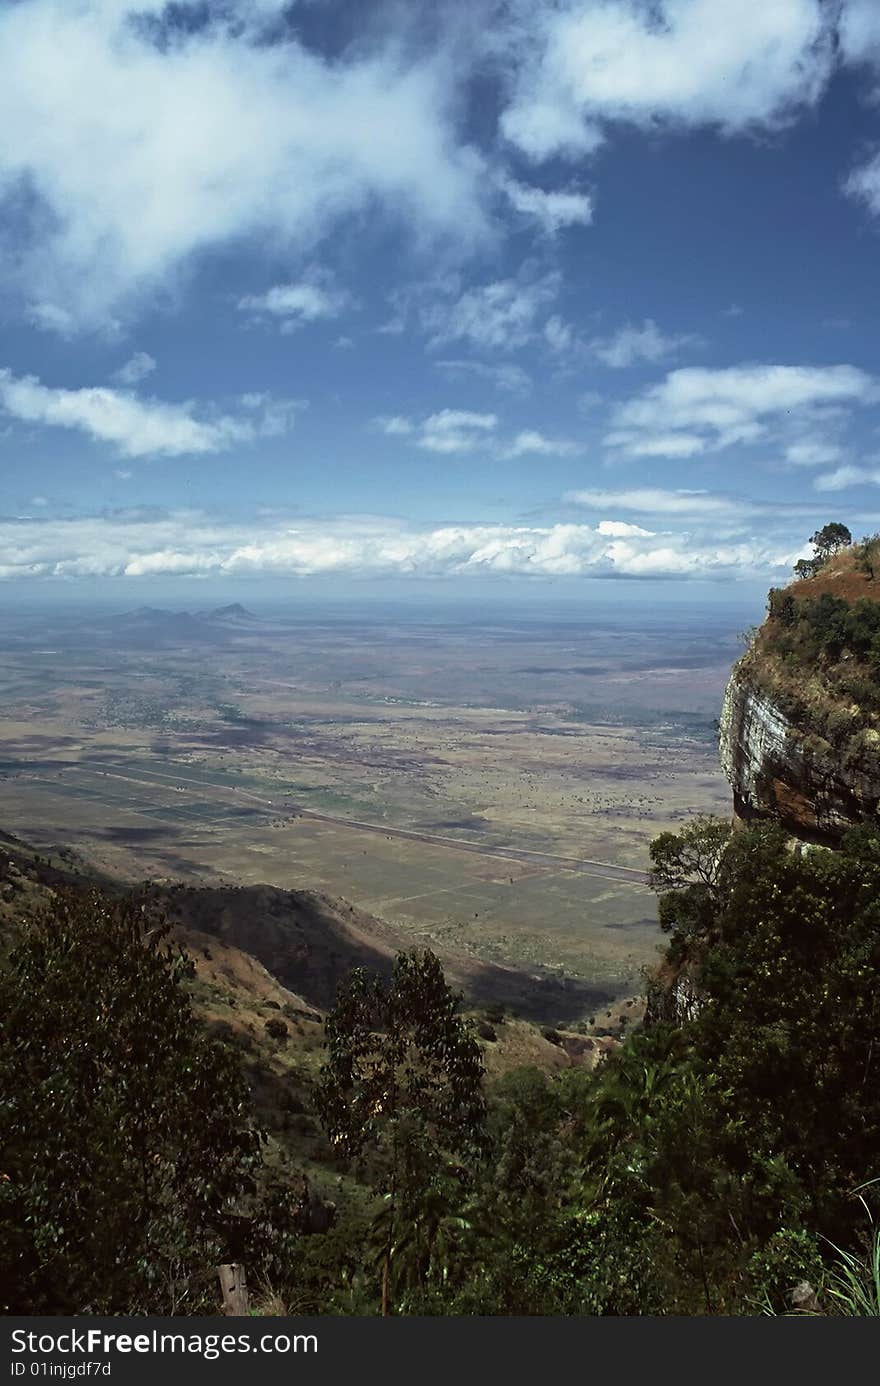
[[554, 288]]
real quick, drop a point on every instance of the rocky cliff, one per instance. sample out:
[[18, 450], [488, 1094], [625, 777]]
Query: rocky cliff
[[787, 770], [800, 730]]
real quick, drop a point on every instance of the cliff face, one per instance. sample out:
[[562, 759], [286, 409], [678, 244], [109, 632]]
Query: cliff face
[[789, 771]]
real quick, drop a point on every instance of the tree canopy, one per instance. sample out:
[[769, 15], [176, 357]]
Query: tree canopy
[[125, 1133]]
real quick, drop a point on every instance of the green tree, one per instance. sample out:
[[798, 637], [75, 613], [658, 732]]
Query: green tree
[[404, 1076], [125, 1137], [806, 568], [686, 870], [829, 540], [785, 1037]]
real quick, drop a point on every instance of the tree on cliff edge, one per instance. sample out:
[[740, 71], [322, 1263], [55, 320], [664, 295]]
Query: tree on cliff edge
[[827, 541], [830, 540]]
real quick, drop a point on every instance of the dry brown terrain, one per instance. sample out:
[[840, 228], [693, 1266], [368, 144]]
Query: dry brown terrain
[[489, 789]]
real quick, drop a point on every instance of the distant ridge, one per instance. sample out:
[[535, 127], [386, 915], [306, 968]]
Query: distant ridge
[[153, 627], [233, 612]]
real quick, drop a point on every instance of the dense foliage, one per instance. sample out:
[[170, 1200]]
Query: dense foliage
[[820, 639], [709, 1165], [404, 1076], [125, 1140]]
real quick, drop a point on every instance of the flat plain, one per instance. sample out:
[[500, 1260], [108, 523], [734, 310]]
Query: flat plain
[[487, 782]]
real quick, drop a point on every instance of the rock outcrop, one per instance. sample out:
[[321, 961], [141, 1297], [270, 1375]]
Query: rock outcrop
[[784, 768]]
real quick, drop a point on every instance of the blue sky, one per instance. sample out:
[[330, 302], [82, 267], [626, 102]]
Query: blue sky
[[375, 296]]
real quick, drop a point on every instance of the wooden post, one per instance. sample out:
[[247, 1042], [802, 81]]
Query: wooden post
[[234, 1287]]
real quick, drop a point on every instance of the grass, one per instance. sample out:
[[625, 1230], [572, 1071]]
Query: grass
[[854, 1285]]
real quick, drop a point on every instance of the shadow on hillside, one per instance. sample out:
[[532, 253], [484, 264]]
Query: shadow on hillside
[[311, 942]]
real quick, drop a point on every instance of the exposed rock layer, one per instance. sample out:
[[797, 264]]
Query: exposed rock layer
[[790, 772]]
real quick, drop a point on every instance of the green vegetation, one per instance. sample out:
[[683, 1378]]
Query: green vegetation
[[827, 542], [125, 1139], [404, 1076], [818, 654], [711, 1164]]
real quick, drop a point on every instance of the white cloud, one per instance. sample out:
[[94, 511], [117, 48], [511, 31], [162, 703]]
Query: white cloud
[[678, 63], [696, 410], [621, 529], [465, 430], [142, 155], [812, 452], [845, 476], [394, 425], [668, 445], [650, 500], [504, 376], [137, 545], [447, 431], [136, 427], [49, 317], [136, 368], [270, 416], [630, 345], [499, 316], [558, 334], [553, 211], [864, 183], [860, 32], [456, 430], [531, 442], [312, 298]]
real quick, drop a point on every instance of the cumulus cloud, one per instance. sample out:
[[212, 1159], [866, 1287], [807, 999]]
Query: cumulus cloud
[[137, 153], [143, 545], [696, 410], [554, 210], [859, 39], [136, 368], [860, 32], [136, 427], [310, 299], [584, 64], [630, 345], [622, 529]]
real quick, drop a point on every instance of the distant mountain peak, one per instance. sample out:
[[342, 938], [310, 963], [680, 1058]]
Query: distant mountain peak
[[151, 613], [234, 611]]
